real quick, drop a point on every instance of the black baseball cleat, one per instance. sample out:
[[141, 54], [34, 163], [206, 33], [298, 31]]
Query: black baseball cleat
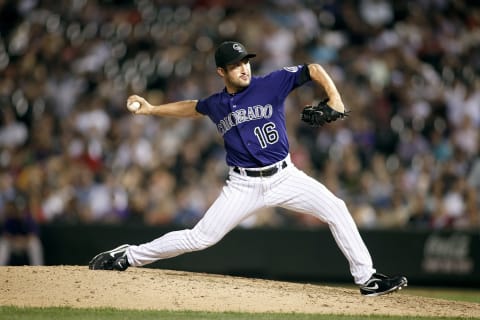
[[115, 259], [121, 264], [380, 284]]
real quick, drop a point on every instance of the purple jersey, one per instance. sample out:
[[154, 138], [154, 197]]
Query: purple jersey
[[252, 122]]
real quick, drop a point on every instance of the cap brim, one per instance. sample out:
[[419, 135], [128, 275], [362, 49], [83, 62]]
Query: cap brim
[[241, 57]]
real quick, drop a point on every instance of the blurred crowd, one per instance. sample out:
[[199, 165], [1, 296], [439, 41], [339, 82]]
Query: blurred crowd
[[70, 152]]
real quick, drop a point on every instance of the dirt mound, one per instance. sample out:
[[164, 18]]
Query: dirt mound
[[154, 289]]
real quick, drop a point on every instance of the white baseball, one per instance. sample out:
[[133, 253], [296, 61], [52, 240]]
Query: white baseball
[[134, 106]]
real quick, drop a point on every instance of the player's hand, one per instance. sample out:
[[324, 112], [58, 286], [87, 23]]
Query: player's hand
[[137, 104], [336, 104]]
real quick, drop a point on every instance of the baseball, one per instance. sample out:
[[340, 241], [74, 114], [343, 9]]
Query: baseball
[[134, 106]]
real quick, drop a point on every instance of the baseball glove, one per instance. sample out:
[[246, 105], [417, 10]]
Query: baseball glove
[[320, 114]]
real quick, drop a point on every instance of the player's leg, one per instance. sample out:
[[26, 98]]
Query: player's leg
[[238, 199], [297, 191]]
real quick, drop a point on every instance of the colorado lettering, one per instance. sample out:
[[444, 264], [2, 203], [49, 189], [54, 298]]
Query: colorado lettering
[[239, 116]]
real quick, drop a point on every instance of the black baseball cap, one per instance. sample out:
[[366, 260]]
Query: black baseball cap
[[230, 52]]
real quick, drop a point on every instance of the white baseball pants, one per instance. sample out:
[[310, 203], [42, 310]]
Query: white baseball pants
[[289, 188]]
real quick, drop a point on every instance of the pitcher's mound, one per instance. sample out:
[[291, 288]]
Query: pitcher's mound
[[155, 289]]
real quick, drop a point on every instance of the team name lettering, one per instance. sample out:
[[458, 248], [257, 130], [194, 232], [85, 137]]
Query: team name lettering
[[239, 116]]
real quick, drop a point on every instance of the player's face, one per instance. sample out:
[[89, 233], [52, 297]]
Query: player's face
[[237, 75]]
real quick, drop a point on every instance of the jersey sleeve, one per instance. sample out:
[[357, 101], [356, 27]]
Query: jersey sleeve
[[304, 75], [202, 106], [290, 78]]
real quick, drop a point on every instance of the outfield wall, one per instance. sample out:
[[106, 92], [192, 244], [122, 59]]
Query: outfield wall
[[447, 258]]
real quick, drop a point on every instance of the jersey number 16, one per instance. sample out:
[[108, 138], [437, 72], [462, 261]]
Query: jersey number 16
[[267, 134]]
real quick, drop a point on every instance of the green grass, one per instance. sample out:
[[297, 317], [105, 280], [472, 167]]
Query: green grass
[[15, 313]]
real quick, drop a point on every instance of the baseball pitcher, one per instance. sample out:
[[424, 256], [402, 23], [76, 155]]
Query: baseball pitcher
[[249, 114]]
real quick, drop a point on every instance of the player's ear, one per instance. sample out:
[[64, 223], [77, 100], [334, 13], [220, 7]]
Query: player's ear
[[221, 72]]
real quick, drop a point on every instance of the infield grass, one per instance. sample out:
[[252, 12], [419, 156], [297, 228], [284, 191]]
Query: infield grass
[[15, 313]]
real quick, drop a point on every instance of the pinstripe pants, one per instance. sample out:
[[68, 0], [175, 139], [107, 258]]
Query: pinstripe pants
[[289, 188]]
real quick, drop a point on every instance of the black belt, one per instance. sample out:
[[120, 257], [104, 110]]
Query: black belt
[[261, 173]]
